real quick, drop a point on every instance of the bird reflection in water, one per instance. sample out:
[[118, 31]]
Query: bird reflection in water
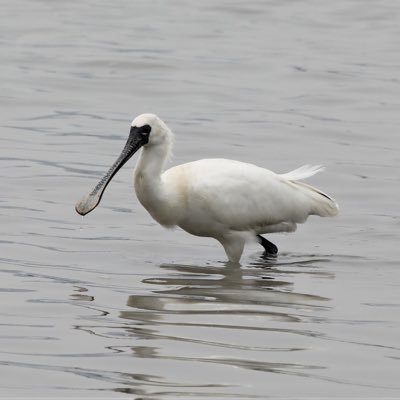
[[262, 288], [204, 318]]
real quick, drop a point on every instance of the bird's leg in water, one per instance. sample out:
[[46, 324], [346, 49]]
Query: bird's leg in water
[[269, 247], [233, 243]]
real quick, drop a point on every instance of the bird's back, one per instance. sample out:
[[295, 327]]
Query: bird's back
[[244, 197]]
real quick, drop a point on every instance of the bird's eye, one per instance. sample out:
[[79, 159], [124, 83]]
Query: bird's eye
[[145, 129]]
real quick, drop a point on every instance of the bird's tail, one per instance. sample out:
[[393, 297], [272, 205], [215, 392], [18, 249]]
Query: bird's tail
[[321, 203], [303, 172]]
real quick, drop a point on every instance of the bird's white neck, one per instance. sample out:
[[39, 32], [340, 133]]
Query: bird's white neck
[[149, 186], [152, 161]]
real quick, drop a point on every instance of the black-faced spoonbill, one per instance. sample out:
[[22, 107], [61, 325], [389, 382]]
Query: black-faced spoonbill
[[228, 200]]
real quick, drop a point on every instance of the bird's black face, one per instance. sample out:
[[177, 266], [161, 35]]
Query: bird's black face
[[142, 132], [138, 137]]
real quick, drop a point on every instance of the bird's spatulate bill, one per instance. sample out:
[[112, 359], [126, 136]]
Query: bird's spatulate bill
[[91, 200]]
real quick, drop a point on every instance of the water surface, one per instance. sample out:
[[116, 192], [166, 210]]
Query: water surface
[[112, 305]]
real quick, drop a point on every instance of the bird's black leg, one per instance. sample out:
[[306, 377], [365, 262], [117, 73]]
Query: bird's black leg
[[269, 247]]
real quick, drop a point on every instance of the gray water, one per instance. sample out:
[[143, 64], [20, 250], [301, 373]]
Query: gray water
[[114, 306]]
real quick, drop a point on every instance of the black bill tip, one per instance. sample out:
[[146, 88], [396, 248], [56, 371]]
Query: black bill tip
[[87, 203]]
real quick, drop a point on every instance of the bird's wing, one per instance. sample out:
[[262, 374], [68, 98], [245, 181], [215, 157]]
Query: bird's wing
[[243, 196]]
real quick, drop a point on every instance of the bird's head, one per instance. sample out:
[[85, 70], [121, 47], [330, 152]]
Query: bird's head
[[150, 129], [146, 130]]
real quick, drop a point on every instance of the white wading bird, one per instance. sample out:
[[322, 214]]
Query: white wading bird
[[227, 200]]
